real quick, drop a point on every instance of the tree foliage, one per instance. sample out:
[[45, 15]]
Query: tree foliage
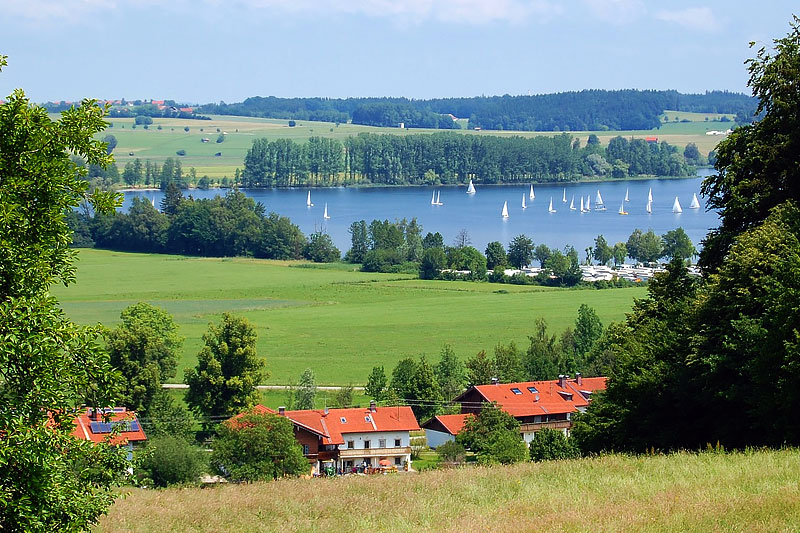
[[376, 384], [170, 460], [551, 444], [306, 391], [494, 436]]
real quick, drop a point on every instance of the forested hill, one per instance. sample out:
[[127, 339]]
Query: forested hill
[[569, 111]]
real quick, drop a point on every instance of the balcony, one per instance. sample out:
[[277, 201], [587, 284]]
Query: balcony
[[555, 424], [374, 452]]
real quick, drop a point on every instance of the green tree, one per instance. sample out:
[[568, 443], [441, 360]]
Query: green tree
[[425, 394], [433, 261], [450, 373], [542, 254], [650, 247], [50, 367], [451, 452], [634, 245], [257, 447], [306, 390], [541, 359], [376, 384], [495, 255], [692, 154], [676, 243], [166, 417], [344, 396], [619, 251], [480, 369], [172, 199], [171, 460], [602, 251], [551, 444], [320, 248], [228, 369], [588, 329], [359, 242], [402, 374], [508, 363], [520, 251], [494, 436], [433, 240]]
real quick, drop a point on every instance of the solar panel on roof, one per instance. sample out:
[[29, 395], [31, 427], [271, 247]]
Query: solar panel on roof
[[95, 427], [135, 426]]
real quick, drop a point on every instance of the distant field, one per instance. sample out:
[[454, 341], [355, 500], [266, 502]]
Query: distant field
[[756, 491], [336, 321], [157, 145]]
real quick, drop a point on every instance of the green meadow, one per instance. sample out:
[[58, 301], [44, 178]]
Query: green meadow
[[157, 145], [330, 318]]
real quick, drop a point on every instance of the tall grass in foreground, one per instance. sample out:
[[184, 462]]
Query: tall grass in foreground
[[758, 491]]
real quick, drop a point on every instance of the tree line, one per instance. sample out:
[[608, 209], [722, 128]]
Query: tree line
[[568, 111], [426, 159]]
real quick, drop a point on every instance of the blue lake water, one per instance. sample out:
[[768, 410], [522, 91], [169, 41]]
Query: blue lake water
[[480, 214]]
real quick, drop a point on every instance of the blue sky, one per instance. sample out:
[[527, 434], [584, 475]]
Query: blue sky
[[210, 50]]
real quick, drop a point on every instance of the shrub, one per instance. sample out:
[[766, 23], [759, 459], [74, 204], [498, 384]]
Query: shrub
[[550, 444], [451, 452], [171, 460]]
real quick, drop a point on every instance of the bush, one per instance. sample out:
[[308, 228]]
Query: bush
[[550, 444], [171, 460], [143, 119], [452, 452]]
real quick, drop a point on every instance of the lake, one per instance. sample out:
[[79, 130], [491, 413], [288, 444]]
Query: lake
[[480, 214]]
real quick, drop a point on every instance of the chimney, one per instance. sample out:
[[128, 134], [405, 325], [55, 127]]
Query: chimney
[[372, 406], [282, 411], [495, 381], [536, 398], [326, 412], [578, 378], [562, 380]]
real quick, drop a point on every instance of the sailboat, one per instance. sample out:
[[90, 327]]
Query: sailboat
[[622, 208], [308, 200], [325, 214], [598, 202], [439, 198], [650, 195], [550, 209], [530, 194], [588, 203], [504, 214], [582, 209], [676, 207], [523, 202], [695, 202], [649, 207], [564, 197], [572, 203], [433, 198], [471, 188], [626, 196]]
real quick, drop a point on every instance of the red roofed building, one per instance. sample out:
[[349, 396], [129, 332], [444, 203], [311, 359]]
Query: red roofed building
[[535, 405], [96, 425]]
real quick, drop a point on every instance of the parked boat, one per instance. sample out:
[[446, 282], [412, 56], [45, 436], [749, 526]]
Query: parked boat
[[676, 206], [308, 200], [471, 188], [504, 214], [325, 214], [550, 209], [695, 202]]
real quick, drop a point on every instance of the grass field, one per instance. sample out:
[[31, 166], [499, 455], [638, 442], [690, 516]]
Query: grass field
[[157, 145], [338, 322], [683, 492]]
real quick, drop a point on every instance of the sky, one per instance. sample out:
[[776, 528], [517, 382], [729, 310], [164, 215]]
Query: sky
[[200, 51]]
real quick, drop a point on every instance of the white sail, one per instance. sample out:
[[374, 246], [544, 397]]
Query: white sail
[[325, 214], [153, 201], [524, 206], [572, 203], [531, 195], [622, 208], [676, 207], [433, 198], [649, 206], [588, 203], [626, 196], [695, 202], [550, 209], [471, 188], [598, 200], [505, 210], [564, 196], [582, 209], [650, 195], [439, 198], [308, 200]]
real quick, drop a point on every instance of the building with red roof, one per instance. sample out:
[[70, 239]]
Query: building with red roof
[[96, 425], [535, 405]]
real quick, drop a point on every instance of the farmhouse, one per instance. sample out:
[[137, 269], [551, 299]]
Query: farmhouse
[[535, 404], [96, 425]]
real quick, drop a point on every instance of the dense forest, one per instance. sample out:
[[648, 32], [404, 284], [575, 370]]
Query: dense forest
[[568, 111], [426, 159]]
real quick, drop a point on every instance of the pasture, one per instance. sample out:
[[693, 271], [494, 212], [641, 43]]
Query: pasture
[[751, 491], [157, 145], [336, 321]]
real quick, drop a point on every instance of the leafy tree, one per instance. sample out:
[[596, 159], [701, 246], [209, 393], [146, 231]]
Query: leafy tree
[[551, 444], [451, 452], [634, 245], [144, 347], [692, 154], [359, 242], [495, 255], [424, 392], [320, 248], [588, 329], [494, 436], [306, 391], [257, 447], [541, 359], [676, 243], [343, 397], [166, 417], [450, 373], [542, 254], [650, 247], [228, 369], [172, 199], [376, 384], [143, 120], [520, 251], [601, 360], [402, 375], [433, 261], [433, 240], [480, 369], [413, 233], [111, 143], [602, 251], [619, 251], [50, 367], [171, 460], [508, 363]]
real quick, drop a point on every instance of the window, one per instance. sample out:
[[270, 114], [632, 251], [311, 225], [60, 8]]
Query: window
[[366, 418], [381, 443], [398, 461], [366, 444], [344, 420], [396, 443], [351, 444], [305, 449], [533, 390], [516, 390]]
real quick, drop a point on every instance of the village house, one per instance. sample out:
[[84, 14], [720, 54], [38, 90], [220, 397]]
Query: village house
[[535, 404], [96, 425], [343, 440]]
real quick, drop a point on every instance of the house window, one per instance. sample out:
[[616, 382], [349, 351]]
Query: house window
[[366, 444], [396, 443], [351, 444], [398, 461], [305, 449], [533, 390], [516, 390], [381, 443], [343, 419]]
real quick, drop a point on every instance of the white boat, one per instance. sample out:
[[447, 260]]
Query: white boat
[[588, 203], [308, 200], [524, 206], [471, 188], [650, 195], [439, 198], [582, 208], [695, 202], [550, 209], [153, 201], [676, 207], [564, 197], [572, 203], [433, 198], [325, 214], [626, 196], [622, 208], [504, 214], [649, 207], [530, 194], [598, 202]]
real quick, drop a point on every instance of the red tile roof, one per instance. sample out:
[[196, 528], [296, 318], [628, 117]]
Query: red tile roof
[[453, 423], [97, 428]]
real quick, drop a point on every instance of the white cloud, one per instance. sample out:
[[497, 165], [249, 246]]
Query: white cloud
[[616, 11], [694, 18]]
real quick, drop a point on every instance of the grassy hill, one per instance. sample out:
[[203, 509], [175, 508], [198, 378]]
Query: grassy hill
[[756, 491], [336, 321]]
